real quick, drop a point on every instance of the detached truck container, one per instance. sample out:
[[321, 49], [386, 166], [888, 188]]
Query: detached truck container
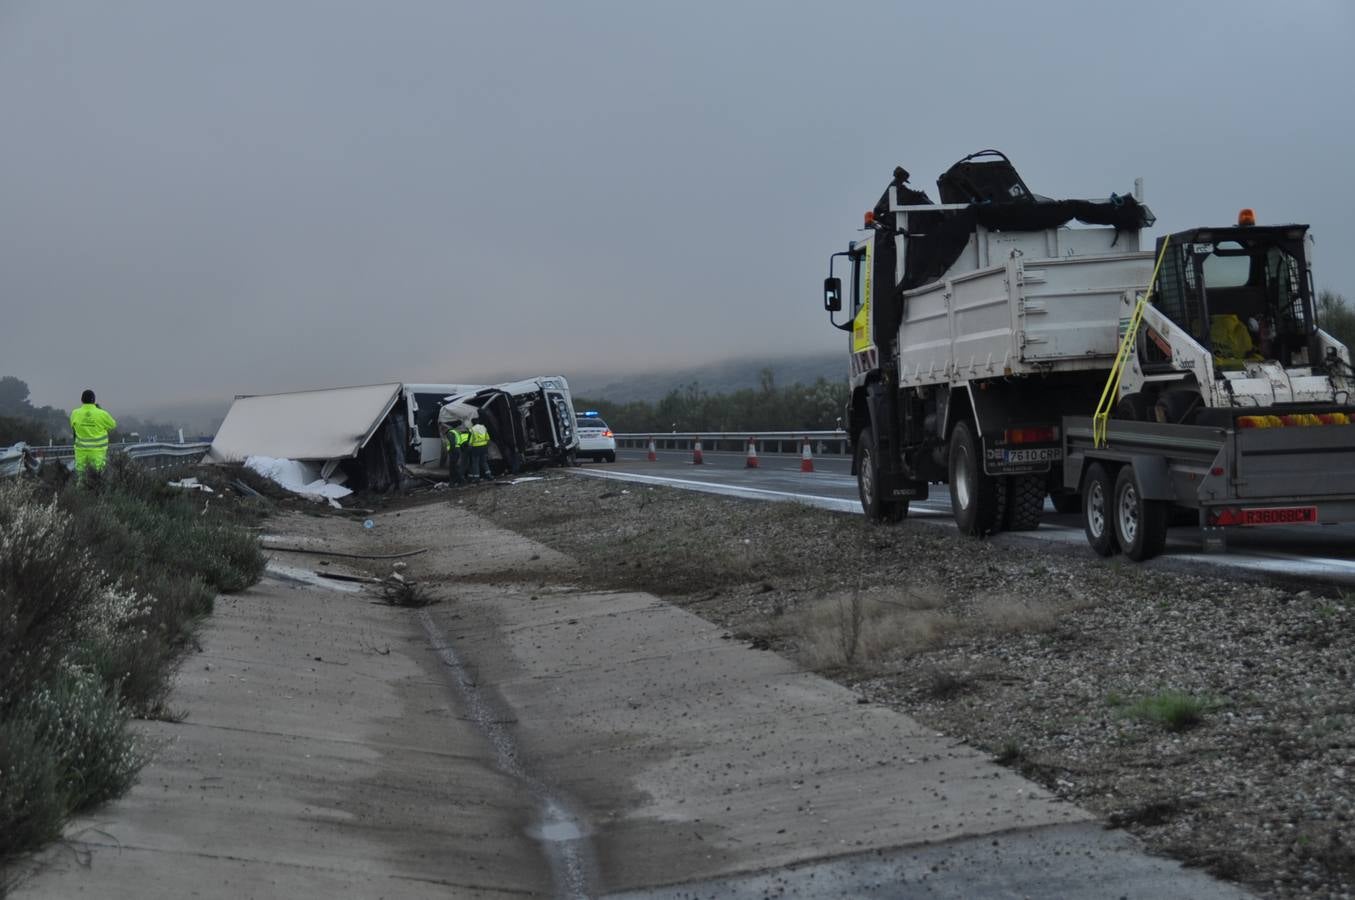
[[986, 332]]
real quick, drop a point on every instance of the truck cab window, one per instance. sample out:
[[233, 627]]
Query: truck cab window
[[858, 266]]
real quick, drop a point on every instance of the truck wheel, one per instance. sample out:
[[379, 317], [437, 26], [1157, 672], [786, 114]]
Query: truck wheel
[[1097, 488], [1140, 525], [875, 506], [1134, 408], [1025, 502], [976, 499]]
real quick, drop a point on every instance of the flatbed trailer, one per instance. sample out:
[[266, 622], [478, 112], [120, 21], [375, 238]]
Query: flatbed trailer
[[1231, 476]]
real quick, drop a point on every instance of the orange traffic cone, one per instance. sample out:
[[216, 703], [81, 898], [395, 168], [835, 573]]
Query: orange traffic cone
[[696, 453], [806, 457], [751, 461], [653, 456]]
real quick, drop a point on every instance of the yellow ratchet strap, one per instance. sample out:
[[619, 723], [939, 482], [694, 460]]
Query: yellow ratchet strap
[[1111, 392]]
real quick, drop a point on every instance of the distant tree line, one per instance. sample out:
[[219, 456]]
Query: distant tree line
[[1335, 317], [768, 407], [20, 420]]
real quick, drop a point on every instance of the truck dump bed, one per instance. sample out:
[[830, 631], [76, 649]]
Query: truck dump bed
[[1021, 316]]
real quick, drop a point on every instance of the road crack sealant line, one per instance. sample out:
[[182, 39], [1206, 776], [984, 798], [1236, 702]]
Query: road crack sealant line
[[832, 504], [563, 836], [836, 504]]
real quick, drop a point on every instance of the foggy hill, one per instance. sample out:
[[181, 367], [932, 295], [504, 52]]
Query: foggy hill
[[714, 378]]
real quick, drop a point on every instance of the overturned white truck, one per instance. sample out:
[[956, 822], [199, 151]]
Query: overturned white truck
[[997, 349], [531, 422]]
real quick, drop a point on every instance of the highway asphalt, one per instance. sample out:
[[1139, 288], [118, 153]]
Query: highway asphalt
[[1320, 556]]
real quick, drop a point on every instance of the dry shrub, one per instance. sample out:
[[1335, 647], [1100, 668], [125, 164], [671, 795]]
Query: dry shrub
[[1008, 615], [864, 628]]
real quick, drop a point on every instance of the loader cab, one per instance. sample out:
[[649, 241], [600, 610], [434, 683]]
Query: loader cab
[[1244, 293]]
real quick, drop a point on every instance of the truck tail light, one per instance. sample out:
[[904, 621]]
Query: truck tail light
[[1043, 434], [1225, 516]]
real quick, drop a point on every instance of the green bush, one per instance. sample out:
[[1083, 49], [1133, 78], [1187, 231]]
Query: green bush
[[32, 808], [84, 732], [134, 520], [45, 586]]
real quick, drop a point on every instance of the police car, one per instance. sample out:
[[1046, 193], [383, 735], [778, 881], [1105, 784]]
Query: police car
[[595, 438]]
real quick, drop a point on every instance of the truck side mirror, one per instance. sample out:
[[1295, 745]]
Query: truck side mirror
[[832, 294]]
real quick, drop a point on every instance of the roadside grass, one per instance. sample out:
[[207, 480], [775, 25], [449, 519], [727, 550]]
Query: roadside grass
[[102, 587]]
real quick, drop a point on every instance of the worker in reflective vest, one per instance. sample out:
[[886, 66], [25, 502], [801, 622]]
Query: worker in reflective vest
[[479, 451], [455, 443], [91, 426]]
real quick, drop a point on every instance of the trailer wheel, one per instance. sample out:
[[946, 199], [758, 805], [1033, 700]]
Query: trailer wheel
[[873, 503], [1140, 525], [1097, 488], [976, 498], [1025, 502]]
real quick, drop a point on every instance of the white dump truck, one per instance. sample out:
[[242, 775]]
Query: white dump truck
[[1003, 350]]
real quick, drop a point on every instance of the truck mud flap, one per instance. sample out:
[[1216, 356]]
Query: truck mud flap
[[899, 488]]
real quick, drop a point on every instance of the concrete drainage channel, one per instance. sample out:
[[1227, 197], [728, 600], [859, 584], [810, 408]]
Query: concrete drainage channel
[[564, 836]]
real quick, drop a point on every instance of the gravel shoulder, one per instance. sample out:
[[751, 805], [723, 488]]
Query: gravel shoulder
[[1214, 719]]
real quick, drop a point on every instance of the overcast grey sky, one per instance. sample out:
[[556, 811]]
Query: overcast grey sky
[[199, 200]]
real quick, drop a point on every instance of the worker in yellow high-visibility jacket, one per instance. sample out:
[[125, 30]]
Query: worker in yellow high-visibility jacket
[[479, 450], [91, 425]]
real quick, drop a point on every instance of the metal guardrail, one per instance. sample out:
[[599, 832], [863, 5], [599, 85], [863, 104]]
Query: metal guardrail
[[823, 443], [16, 459]]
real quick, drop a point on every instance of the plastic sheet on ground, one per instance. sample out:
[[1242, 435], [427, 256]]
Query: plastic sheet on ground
[[298, 477]]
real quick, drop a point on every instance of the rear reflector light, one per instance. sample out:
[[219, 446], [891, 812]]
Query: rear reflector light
[[1225, 517], [1046, 434]]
